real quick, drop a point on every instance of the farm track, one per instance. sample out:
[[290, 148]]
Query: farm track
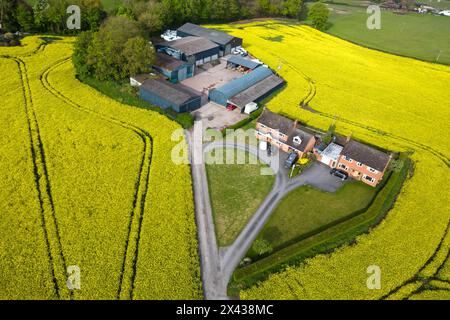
[[48, 219], [129, 264]]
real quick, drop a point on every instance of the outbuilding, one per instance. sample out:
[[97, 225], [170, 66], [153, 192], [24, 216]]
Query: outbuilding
[[194, 50], [168, 95], [236, 61], [175, 70], [224, 93], [225, 41], [257, 92]]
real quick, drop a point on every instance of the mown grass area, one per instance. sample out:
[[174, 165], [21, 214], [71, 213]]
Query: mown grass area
[[342, 232], [236, 192], [421, 36], [124, 93], [307, 209]]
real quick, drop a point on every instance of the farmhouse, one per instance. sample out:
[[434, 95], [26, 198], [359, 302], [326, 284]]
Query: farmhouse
[[225, 41], [194, 50], [363, 163], [360, 161], [167, 95], [284, 133]]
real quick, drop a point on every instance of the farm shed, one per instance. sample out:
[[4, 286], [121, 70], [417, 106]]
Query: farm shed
[[175, 70], [224, 93], [167, 95], [238, 61], [193, 50], [225, 41], [257, 92]]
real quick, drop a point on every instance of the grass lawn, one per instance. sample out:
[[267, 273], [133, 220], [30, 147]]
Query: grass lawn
[[319, 241], [307, 209], [421, 36], [236, 191]]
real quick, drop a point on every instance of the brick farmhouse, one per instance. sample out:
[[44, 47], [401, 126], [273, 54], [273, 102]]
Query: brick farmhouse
[[360, 161], [284, 133]]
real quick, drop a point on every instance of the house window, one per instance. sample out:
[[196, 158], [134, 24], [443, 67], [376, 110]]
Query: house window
[[262, 126], [372, 170], [368, 178], [348, 159], [359, 164], [343, 166]]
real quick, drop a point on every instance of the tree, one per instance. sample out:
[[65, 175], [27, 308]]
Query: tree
[[114, 52], [318, 13], [139, 55], [7, 21], [92, 14], [292, 8], [150, 17], [24, 17], [80, 53]]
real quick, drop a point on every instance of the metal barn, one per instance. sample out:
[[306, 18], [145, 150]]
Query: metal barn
[[225, 41], [167, 95], [223, 94]]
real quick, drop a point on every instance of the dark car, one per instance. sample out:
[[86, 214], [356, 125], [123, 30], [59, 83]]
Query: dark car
[[340, 174], [291, 160]]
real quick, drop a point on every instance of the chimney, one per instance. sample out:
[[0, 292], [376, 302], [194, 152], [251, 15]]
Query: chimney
[[348, 138]]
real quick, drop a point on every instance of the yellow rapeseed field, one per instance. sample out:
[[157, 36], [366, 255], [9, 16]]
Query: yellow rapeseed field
[[397, 103], [88, 182]]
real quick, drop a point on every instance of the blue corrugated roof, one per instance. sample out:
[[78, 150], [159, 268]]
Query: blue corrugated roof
[[232, 88], [243, 62]]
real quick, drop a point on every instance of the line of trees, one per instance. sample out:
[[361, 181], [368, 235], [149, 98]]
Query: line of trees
[[152, 15], [48, 16]]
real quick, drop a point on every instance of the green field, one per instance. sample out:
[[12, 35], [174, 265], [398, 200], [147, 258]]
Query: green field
[[236, 191], [421, 36], [307, 209]]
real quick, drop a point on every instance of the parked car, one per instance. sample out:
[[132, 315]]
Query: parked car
[[340, 174], [291, 160], [269, 150]]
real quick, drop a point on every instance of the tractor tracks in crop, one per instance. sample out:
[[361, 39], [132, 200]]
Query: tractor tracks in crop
[[131, 249], [48, 219], [425, 280]]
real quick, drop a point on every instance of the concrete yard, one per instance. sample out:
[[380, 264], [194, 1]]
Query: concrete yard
[[208, 77], [217, 117]]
